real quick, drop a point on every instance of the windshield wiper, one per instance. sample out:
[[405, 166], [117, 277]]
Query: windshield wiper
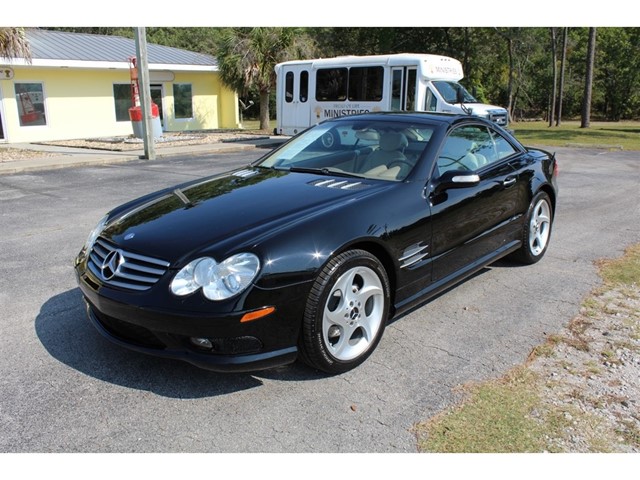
[[325, 171], [183, 198]]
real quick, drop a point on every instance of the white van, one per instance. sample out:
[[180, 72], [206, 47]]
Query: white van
[[309, 91]]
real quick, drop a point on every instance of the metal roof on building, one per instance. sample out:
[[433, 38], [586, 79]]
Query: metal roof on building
[[60, 47]]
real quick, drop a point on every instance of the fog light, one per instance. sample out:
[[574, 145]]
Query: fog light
[[202, 342]]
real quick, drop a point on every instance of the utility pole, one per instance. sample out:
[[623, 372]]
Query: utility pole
[[145, 93]]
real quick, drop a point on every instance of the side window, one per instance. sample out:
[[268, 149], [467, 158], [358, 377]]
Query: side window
[[183, 100], [467, 148], [502, 147], [288, 87], [365, 84], [396, 89], [30, 99], [304, 86], [331, 84], [411, 90], [431, 102], [122, 101]]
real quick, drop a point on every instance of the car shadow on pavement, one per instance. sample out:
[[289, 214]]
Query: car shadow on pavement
[[422, 303], [66, 333]]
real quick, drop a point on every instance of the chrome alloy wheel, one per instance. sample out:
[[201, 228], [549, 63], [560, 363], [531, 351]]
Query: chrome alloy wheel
[[539, 227], [353, 313]]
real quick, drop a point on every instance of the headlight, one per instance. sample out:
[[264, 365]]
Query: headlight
[[93, 236], [218, 281]]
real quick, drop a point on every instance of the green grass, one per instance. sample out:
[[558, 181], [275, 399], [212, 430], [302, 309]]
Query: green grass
[[608, 135], [495, 420], [622, 271], [254, 125]]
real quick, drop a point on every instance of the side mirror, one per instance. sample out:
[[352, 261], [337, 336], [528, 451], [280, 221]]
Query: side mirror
[[456, 179], [460, 100]]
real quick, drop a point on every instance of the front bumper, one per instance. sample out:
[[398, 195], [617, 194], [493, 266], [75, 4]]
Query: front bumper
[[233, 346], [216, 363]]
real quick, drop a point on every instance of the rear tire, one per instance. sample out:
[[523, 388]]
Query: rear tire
[[536, 233], [346, 312]]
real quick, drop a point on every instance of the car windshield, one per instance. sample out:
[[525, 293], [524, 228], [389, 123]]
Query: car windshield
[[449, 91], [369, 149]]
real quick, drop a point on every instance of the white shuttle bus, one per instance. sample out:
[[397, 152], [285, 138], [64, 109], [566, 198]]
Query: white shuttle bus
[[309, 91]]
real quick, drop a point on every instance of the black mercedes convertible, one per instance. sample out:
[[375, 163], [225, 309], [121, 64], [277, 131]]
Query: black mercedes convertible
[[308, 252]]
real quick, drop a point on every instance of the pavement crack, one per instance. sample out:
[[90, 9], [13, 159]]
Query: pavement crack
[[447, 352]]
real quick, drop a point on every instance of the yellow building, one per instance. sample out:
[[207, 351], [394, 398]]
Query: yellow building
[[79, 86]]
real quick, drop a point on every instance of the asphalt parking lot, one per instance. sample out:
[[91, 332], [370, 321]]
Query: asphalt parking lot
[[66, 389]]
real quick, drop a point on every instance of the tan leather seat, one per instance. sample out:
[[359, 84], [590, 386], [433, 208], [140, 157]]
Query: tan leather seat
[[391, 148]]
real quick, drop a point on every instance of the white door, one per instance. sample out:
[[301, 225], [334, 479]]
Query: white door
[[403, 88], [294, 99]]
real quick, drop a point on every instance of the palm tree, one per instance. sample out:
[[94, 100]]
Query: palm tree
[[14, 44], [247, 57]]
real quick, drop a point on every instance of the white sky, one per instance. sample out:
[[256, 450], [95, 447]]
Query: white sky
[[345, 13]]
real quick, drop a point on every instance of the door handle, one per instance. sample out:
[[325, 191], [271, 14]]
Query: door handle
[[509, 181]]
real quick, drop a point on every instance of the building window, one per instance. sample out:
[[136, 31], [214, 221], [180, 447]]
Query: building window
[[122, 100], [30, 98], [182, 100]]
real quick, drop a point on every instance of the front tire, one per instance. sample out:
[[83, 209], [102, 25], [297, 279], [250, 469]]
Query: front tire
[[346, 312], [537, 230]]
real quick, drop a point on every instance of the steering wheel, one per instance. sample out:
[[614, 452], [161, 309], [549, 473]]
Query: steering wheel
[[400, 162]]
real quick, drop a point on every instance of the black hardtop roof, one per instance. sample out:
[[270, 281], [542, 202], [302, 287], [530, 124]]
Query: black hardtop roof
[[426, 117]]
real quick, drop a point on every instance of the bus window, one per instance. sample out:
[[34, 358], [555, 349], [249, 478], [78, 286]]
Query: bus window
[[304, 86], [396, 90], [449, 91], [411, 90], [430, 102], [331, 84], [365, 84], [288, 87]]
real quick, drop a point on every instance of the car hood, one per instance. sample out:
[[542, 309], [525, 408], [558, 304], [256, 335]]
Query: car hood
[[236, 209], [481, 109]]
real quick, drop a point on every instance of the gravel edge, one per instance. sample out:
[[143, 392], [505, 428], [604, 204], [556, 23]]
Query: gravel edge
[[591, 375]]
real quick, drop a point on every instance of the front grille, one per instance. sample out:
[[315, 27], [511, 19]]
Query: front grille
[[499, 118], [119, 268]]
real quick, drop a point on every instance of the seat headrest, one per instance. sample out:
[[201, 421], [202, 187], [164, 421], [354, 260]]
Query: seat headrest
[[390, 141], [370, 135]]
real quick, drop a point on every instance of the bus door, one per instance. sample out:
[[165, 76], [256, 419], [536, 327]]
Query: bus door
[[403, 88], [294, 97]]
